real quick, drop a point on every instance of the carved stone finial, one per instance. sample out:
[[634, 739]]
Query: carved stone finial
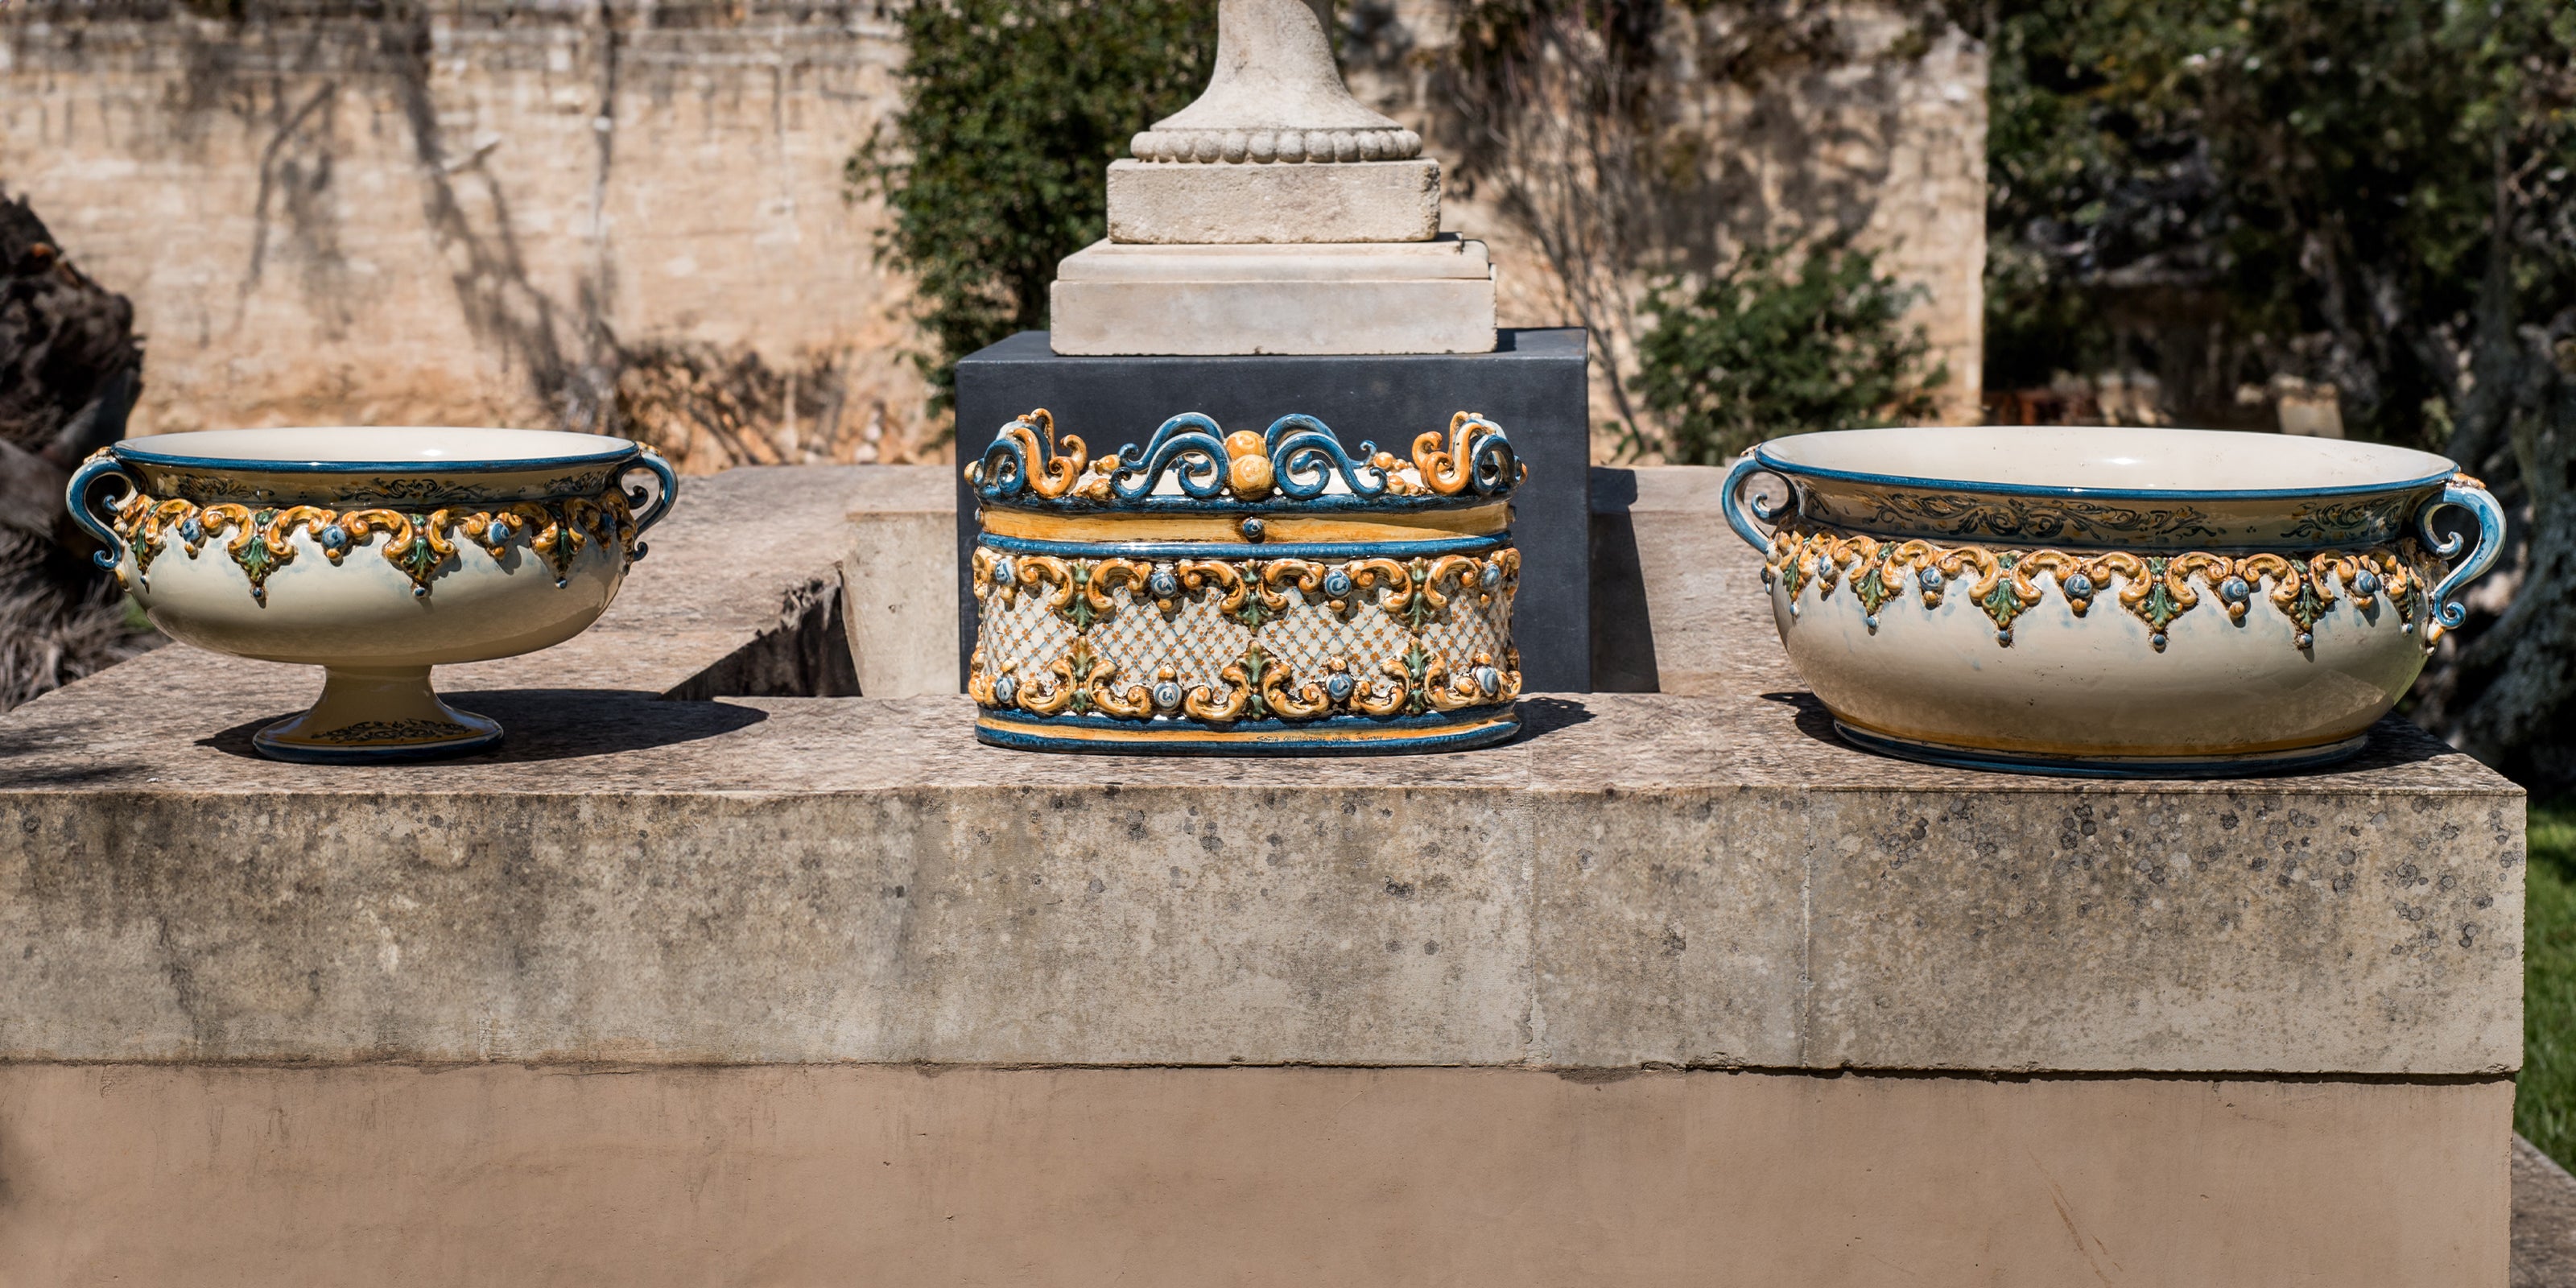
[[1276, 97]]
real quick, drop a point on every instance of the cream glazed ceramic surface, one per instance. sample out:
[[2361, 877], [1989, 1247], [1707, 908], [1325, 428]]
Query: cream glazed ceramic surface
[[373, 552], [2108, 600]]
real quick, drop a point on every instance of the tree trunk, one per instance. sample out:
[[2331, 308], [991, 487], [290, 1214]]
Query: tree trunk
[[2510, 697], [70, 368]]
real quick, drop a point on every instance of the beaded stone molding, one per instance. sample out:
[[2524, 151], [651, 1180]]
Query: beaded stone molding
[[2155, 588], [422, 545], [1245, 593], [1264, 147]]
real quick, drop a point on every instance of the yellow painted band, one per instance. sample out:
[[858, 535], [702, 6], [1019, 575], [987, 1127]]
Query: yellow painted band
[[1473, 521], [2095, 752], [1202, 733]]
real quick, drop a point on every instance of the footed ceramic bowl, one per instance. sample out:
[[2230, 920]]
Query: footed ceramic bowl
[[2103, 601], [375, 553]]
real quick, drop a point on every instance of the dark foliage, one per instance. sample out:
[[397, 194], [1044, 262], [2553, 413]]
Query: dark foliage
[[992, 171], [1758, 351]]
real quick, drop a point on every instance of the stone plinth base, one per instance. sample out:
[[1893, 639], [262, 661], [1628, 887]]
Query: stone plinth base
[[685, 988], [1347, 201], [537, 1177], [1391, 297]]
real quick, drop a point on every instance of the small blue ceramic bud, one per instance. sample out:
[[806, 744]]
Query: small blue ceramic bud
[[1339, 687], [1002, 571], [2365, 582], [1163, 585], [2234, 590], [335, 539], [2079, 586], [191, 531], [1493, 575], [1005, 689], [1929, 579], [1167, 695], [1337, 583], [1488, 679]]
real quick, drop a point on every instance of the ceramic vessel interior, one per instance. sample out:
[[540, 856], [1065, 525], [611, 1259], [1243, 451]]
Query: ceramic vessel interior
[[2108, 601], [1245, 593], [376, 553]]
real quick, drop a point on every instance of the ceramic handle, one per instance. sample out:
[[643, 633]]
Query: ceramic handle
[[1741, 514], [102, 465], [648, 459], [2470, 495]]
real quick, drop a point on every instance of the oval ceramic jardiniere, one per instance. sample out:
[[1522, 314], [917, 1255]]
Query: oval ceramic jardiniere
[[1254, 592], [375, 553], [2106, 600]]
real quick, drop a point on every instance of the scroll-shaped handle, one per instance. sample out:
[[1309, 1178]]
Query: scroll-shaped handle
[[648, 459], [1740, 513], [102, 464], [2470, 495]]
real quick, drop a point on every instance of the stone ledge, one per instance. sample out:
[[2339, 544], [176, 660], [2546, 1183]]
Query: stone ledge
[[1695, 881], [1645, 880]]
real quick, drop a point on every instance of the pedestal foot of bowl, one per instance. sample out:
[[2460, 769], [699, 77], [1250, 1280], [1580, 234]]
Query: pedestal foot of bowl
[[2237, 765], [377, 716]]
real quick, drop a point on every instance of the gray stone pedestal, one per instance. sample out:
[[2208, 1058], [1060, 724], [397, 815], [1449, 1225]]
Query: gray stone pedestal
[[683, 988], [1532, 385]]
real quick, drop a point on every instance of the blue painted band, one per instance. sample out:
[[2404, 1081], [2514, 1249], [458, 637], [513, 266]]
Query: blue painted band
[[135, 453], [1789, 470], [1178, 726], [1332, 502], [1185, 742], [2447, 608], [2262, 765], [1246, 550], [76, 495]]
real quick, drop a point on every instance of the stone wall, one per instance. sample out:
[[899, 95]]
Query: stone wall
[[471, 217], [537, 214]]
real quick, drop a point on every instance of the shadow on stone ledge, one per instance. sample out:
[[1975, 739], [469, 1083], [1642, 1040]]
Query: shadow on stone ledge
[[560, 724], [1543, 716], [2393, 741]]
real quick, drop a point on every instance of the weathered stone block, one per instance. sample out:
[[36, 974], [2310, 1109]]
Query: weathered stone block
[[539, 1177], [1645, 879], [1394, 297], [1349, 201]]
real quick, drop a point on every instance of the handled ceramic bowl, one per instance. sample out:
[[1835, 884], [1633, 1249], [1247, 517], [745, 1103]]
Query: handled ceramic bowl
[[375, 553], [2108, 601]]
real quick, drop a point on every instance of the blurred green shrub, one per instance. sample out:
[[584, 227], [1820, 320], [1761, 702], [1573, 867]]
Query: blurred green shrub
[[2544, 1100], [1759, 350], [2374, 194], [993, 169]]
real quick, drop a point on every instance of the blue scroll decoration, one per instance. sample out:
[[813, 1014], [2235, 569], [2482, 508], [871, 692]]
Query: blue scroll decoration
[[1296, 461]]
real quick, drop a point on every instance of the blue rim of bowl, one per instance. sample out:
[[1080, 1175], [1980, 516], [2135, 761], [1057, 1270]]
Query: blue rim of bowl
[[128, 452], [1785, 469]]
